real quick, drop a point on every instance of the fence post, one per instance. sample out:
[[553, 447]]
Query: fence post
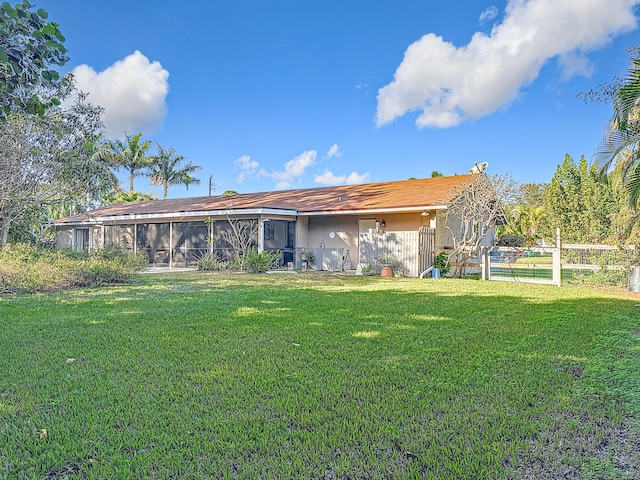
[[557, 264], [485, 263]]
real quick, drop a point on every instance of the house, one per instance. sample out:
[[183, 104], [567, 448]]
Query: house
[[342, 225]]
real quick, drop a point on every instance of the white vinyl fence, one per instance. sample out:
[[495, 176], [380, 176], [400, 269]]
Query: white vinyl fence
[[413, 249], [568, 263]]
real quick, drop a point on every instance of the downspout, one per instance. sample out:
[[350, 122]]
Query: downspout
[[170, 244]]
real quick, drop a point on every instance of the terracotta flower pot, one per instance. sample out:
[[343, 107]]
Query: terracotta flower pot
[[386, 272]]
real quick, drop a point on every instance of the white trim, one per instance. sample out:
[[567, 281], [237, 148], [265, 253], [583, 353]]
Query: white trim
[[177, 215], [174, 216], [372, 210]]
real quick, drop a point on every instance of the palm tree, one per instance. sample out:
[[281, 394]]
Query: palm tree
[[167, 170], [131, 154], [620, 147]]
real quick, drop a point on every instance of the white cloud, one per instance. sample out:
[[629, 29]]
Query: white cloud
[[489, 14], [247, 167], [452, 84], [293, 169], [575, 64], [329, 178], [334, 151], [132, 91], [355, 177]]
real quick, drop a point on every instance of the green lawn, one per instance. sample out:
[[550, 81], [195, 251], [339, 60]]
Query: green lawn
[[202, 375]]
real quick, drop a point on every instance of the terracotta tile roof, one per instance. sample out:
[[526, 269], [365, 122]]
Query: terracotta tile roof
[[400, 195]]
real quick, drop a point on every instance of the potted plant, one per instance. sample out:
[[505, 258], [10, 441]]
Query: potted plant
[[307, 258], [389, 264]]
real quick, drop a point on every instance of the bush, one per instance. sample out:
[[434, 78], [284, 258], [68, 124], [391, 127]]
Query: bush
[[441, 262], [209, 262], [26, 268], [511, 241], [257, 262]]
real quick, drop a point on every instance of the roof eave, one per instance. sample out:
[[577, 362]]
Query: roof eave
[[318, 213], [199, 213]]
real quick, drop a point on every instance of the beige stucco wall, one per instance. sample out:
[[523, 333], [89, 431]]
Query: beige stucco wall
[[444, 236], [345, 228], [97, 237], [64, 237]]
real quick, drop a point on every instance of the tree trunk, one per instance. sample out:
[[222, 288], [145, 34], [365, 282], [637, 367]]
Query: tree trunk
[[4, 231]]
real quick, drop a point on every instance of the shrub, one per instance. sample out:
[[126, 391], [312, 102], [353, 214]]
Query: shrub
[[26, 268], [209, 262], [441, 262], [307, 256], [511, 241], [257, 262]]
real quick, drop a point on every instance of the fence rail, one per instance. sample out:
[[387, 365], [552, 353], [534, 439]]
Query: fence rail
[[555, 265]]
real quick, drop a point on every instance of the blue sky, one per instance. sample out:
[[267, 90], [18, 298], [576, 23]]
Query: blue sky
[[269, 95]]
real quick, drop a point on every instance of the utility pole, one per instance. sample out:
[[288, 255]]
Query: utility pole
[[212, 186]]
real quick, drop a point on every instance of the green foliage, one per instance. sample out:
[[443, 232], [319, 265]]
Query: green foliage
[[621, 140], [441, 262], [210, 262], [307, 256], [258, 262], [167, 170], [511, 241], [131, 154], [213, 375], [398, 267], [122, 196], [29, 47], [531, 194], [27, 268], [580, 202], [48, 166]]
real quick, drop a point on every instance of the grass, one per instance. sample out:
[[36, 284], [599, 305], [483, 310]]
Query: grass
[[210, 375]]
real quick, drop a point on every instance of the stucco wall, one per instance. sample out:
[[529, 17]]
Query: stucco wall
[[445, 238], [64, 237], [97, 237]]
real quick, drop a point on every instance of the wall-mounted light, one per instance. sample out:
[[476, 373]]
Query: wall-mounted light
[[384, 224]]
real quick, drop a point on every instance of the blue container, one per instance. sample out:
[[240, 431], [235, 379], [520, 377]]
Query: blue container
[[435, 273]]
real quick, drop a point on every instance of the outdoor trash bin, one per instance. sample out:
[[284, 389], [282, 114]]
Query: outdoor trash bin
[[435, 273]]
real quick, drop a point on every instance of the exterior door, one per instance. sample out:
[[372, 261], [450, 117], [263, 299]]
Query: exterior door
[[365, 225], [81, 239]]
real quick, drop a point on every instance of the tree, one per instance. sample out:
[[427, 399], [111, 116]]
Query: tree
[[167, 170], [131, 154], [46, 164], [619, 147], [523, 221], [475, 210], [118, 195], [531, 194], [580, 202], [241, 236], [29, 47], [436, 173]]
